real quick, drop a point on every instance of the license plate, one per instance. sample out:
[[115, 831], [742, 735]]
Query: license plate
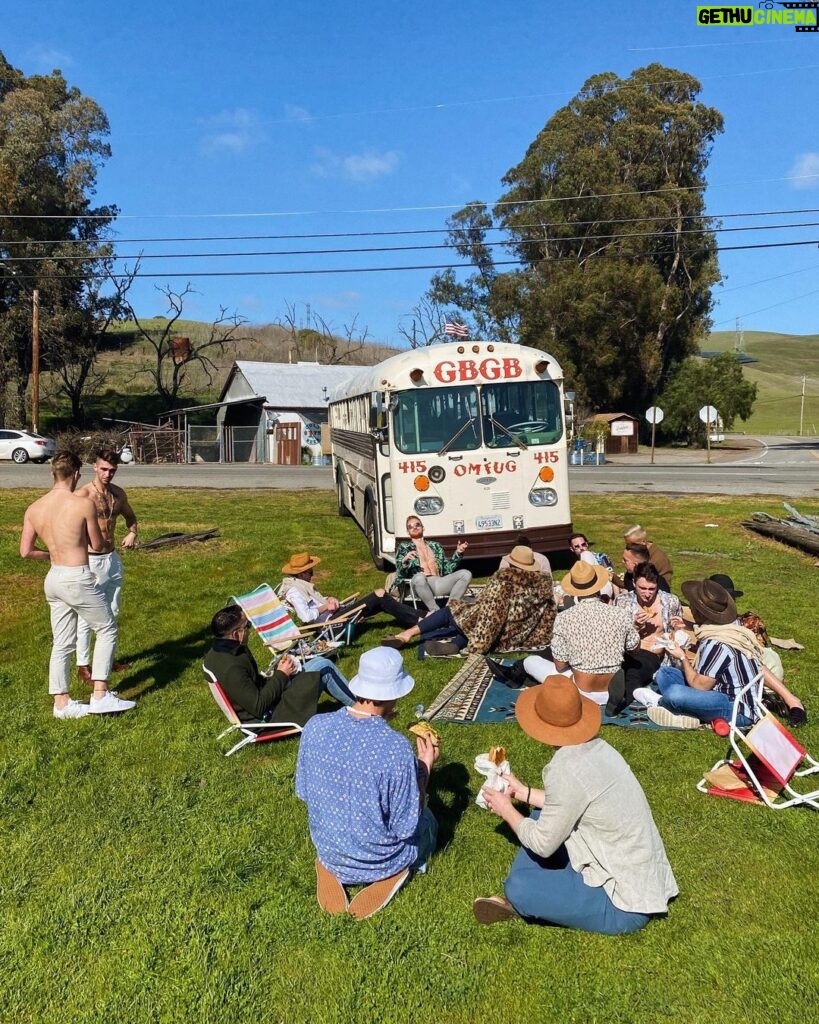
[[488, 522]]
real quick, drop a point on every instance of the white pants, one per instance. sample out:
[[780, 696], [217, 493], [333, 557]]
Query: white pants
[[108, 572], [540, 668], [427, 588], [72, 591]]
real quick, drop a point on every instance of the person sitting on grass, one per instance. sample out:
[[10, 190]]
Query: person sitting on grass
[[513, 612], [728, 658], [298, 591], [365, 792], [591, 856], [635, 554], [658, 558], [430, 572], [288, 694]]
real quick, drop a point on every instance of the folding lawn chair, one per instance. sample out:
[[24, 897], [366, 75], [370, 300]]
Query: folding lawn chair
[[331, 633], [272, 620], [767, 756], [252, 732]]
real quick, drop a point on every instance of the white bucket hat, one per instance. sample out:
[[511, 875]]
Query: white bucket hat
[[381, 675]]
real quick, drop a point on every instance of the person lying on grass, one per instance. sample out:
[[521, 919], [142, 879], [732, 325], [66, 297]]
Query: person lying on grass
[[591, 856], [365, 792], [514, 612], [288, 694]]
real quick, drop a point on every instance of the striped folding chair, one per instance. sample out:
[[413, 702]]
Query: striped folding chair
[[251, 732], [270, 618]]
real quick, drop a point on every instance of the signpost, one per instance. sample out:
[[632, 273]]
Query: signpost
[[654, 415], [708, 414]]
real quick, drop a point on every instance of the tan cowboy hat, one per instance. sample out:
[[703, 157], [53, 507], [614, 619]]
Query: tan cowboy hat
[[299, 563], [522, 557], [556, 713], [710, 603], [585, 579]]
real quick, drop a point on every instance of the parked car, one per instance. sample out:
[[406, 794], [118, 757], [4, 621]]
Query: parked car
[[22, 445]]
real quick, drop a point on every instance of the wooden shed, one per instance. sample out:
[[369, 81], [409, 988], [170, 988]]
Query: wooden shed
[[623, 432]]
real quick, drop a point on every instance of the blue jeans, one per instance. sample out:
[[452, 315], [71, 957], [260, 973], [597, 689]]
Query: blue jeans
[[551, 891], [332, 680], [426, 835], [681, 699], [441, 625]]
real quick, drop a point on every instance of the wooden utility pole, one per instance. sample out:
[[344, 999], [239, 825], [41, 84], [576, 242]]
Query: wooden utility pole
[[802, 405], [35, 361]]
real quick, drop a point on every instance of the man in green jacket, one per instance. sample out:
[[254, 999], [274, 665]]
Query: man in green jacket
[[288, 694]]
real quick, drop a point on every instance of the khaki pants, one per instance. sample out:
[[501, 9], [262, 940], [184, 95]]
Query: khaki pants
[[107, 570], [72, 591]]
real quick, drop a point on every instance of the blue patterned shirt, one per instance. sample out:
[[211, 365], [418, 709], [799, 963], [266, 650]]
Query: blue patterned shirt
[[360, 781]]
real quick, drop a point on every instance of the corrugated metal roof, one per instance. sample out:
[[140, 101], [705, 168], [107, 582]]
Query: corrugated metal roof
[[291, 385]]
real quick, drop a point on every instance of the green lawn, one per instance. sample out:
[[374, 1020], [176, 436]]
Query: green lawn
[[146, 878]]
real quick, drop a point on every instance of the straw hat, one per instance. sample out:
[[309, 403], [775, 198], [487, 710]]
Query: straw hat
[[555, 712], [522, 557], [381, 675], [710, 603], [585, 579], [299, 563]]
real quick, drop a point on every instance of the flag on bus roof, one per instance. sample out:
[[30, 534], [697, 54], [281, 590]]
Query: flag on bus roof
[[456, 328]]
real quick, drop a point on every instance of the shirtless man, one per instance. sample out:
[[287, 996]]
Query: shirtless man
[[110, 502], [67, 525]]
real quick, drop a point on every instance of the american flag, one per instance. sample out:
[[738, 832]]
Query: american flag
[[455, 328]]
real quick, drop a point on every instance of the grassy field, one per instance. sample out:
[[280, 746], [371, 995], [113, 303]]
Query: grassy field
[[782, 359], [146, 878]]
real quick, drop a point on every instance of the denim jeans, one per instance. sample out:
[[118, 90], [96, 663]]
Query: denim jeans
[[426, 835], [549, 890], [441, 625], [681, 699], [332, 679]]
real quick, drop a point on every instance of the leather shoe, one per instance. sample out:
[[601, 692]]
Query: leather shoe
[[513, 675], [120, 666], [84, 672], [492, 909]]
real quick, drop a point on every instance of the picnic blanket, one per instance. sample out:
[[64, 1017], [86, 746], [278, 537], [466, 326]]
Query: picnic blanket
[[473, 695]]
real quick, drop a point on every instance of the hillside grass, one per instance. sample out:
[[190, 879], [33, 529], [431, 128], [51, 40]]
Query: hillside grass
[[146, 878], [782, 359]]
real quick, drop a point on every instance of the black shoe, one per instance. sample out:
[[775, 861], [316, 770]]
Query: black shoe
[[513, 675]]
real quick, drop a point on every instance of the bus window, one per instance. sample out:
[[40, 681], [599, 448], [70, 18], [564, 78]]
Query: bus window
[[428, 420], [529, 410]]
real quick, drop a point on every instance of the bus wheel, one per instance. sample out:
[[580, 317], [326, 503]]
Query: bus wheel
[[372, 538], [342, 508]]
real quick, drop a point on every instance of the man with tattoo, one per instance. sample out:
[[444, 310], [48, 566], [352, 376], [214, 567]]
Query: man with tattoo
[[110, 502]]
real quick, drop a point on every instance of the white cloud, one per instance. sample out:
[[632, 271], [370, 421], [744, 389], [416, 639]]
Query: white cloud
[[43, 59], [805, 171], [231, 131], [358, 167], [295, 113]]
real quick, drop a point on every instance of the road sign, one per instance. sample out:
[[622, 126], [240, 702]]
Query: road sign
[[708, 414], [655, 414]]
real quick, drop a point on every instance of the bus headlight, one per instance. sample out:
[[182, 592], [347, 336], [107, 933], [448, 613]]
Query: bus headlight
[[431, 506], [543, 496]]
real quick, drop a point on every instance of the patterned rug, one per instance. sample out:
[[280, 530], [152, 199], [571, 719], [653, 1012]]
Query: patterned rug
[[473, 695], [635, 716]]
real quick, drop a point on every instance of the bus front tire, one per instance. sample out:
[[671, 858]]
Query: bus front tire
[[372, 540], [343, 511]]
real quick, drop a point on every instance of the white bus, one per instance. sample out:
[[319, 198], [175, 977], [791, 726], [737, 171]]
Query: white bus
[[470, 436]]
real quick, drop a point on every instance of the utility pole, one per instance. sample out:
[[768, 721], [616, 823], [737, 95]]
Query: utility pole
[[802, 405], [35, 361]]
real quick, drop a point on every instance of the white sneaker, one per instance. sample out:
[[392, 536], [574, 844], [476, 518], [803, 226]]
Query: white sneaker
[[646, 696], [73, 709], [662, 716], [109, 704]]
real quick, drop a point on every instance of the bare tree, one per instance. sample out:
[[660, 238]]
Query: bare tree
[[175, 356], [314, 338], [424, 324]]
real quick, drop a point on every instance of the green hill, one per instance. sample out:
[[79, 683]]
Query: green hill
[[781, 361]]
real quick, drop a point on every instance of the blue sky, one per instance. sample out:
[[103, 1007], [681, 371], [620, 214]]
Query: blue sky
[[311, 118]]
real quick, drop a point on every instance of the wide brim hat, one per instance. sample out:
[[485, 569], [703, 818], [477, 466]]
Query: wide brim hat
[[557, 713], [381, 675], [585, 579], [300, 563], [710, 603], [726, 583], [522, 557]]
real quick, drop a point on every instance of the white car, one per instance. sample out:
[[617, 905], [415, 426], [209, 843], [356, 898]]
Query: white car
[[22, 445]]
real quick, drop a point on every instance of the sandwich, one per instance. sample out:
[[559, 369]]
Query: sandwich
[[497, 755], [425, 729]]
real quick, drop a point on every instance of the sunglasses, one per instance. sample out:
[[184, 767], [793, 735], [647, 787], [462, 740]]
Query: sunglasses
[[415, 526]]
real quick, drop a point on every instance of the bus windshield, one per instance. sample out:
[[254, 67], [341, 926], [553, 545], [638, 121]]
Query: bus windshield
[[429, 420], [529, 411]]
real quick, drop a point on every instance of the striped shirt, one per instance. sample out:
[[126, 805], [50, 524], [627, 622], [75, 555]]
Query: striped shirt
[[732, 670]]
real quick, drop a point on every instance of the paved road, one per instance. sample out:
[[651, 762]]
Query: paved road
[[767, 465]]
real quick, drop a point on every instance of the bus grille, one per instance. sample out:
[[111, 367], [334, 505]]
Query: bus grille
[[501, 499]]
